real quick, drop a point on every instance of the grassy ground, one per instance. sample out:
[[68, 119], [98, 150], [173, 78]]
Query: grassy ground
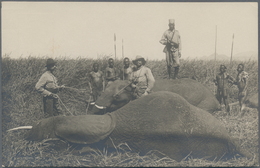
[[22, 105]]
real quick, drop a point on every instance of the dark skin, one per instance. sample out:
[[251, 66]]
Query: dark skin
[[95, 69], [126, 63], [242, 87], [221, 82], [110, 65], [96, 79]]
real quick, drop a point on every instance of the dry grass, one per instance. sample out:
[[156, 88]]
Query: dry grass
[[22, 105]]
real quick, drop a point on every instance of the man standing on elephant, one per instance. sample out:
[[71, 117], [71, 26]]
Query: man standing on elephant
[[48, 87], [142, 77], [242, 82], [126, 70], [97, 81], [111, 73], [172, 40]]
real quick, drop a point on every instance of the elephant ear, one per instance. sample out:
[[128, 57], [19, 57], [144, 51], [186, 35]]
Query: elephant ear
[[84, 129]]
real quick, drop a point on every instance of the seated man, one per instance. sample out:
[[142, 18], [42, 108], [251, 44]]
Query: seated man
[[142, 77]]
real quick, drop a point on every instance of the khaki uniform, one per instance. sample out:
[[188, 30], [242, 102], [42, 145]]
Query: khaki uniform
[[143, 79], [46, 85], [172, 51]]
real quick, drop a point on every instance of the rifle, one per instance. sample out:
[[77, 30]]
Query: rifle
[[91, 94]]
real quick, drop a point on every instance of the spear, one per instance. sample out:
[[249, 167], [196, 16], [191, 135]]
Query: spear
[[115, 44], [232, 48], [123, 59], [215, 57]]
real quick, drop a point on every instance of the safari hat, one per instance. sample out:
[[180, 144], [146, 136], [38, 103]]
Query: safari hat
[[137, 58], [50, 62], [171, 21]]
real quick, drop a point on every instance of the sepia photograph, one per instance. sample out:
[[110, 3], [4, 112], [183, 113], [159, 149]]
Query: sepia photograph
[[129, 84]]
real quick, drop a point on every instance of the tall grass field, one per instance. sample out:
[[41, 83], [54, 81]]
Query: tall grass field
[[22, 106]]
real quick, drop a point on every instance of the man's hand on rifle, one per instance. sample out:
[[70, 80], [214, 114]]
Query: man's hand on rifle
[[54, 95], [62, 87]]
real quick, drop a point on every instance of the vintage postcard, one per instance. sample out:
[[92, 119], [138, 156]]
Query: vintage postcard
[[129, 84]]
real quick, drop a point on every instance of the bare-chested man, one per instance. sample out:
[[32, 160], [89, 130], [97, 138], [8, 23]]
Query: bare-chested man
[[111, 73], [97, 81], [222, 80], [241, 82], [126, 70]]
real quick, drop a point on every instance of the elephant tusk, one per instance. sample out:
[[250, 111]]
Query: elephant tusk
[[22, 127], [99, 107]]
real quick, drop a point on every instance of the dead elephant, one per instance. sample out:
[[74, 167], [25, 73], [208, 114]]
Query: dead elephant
[[162, 121], [253, 101], [119, 93]]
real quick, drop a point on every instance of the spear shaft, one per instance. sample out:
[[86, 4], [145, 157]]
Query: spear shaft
[[115, 44], [232, 49], [215, 57], [123, 59]]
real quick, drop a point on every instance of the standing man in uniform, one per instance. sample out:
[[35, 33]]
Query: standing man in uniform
[[242, 82], [142, 77], [48, 87], [126, 70], [97, 81], [172, 40], [111, 73]]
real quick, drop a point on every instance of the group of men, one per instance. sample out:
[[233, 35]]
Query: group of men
[[139, 75], [222, 81]]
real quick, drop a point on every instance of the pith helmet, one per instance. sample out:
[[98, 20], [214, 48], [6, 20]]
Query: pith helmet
[[171, 21], [137, 58], [50, 62]]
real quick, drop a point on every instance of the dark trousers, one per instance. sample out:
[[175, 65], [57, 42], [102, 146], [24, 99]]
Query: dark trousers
[[51, 107]]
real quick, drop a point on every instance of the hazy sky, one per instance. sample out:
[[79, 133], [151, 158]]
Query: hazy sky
[[87, 29]]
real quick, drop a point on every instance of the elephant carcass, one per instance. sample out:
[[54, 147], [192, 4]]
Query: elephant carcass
[[253, 101], [193, 91], [162, 121]]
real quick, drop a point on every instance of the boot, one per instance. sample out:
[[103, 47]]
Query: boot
[[169, 71], [176, 73]]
